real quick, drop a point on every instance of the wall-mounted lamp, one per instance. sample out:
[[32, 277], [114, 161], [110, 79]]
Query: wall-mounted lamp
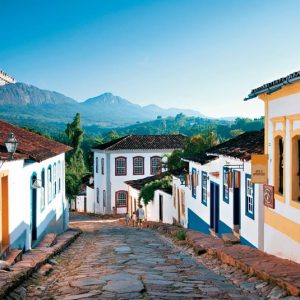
[[11, 145], [182, 179], [36, 185]]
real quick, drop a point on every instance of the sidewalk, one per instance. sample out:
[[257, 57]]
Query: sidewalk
[[282, 272], [32, 261]]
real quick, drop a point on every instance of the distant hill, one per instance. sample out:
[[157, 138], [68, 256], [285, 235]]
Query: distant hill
[[25, 104]]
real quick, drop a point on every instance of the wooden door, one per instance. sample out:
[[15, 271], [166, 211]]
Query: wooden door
[[4, 213], [178, 204]]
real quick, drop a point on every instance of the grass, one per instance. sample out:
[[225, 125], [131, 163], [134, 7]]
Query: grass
[[181, 235]]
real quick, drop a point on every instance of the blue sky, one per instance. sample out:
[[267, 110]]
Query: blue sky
[[204, 55]]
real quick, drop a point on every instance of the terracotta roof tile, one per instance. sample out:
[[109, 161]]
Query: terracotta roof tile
[[148, 142], [242, 146], [35, 146]]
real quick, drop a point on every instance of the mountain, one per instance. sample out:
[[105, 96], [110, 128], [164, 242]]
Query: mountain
[[25, 94], [25, 104], [170, 112]]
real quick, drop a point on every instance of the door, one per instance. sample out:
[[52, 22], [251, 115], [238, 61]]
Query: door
[[84, 203], [178, 205], [237, 199], [214, 206], [160, 208], [4, 214], [33, 222]]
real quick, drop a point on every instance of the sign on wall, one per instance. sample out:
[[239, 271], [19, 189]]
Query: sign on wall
[[269, 200], [259, 168]]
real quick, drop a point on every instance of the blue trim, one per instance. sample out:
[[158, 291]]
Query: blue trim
[[33, 212], [202, 190], [223, 228], [196, 223], [245, 242], [194, 184], [54, 180], [225, 199], [247, 213], [49, 199]]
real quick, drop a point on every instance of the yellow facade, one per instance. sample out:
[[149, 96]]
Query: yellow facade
[[273, 218]]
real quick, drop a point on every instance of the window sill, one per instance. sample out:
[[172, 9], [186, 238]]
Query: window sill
[[279, 197], [295, 204]]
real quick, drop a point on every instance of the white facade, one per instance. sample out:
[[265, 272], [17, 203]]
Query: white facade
[[34, 211], [160, 209], [209, 209], [5, 78], [85, 201], [109, 184]]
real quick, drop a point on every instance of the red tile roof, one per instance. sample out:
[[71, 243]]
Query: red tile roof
[[242, 146], [32, 145], [145, 142]]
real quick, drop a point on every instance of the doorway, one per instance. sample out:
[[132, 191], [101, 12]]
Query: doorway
[[214, 206], [237, 200], [178, 205], [160, 208], [33, 220], [4, 214], [84, 203]]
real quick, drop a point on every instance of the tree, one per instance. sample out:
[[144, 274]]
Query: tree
[[112, 135], [76, 167], [198, 144]]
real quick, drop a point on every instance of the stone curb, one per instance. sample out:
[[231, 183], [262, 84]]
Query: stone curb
[[33, 260], [281, 272]]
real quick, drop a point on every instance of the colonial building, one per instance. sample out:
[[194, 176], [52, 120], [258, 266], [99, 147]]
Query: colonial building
[[32, 188], [128, 158], [161, 208], [5, 78], [221, 199], [282, 145], [84, 201]]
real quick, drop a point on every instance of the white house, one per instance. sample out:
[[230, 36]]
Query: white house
[[128, 158], [5, 78], [32, 186], [221, 198], [84, 201], [161, 208], [282, 145]]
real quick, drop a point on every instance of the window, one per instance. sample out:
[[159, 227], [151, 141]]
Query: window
[[54, 181], [59, 176], [249, 197], [43, 196], [49, 184], [97, 195], [279, 164], [296, 168], [138, 165], [194, 183], [97, 165], [226, 185], [121, 166], [204, 188], [121, 199], [104, 198], [102, 166], [155, 165]]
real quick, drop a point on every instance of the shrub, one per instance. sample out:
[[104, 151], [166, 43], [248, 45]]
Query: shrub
[[181, 235]]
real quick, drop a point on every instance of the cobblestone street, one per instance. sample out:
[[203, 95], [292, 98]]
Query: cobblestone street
[[109, 261]]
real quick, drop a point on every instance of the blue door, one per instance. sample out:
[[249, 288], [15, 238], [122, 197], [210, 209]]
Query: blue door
[[237, 199], [33, 221], [214, 206]]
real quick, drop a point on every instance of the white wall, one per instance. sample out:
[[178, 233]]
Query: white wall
[[251, 230], [114, 183], [19, 183]]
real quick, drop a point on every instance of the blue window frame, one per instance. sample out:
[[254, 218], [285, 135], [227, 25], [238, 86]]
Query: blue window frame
[[43, 191], [194, 183], [249, 194], [225, 185], [49, 183], [204, 188]]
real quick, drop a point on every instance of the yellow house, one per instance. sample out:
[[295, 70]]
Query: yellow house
[[282, 145]]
